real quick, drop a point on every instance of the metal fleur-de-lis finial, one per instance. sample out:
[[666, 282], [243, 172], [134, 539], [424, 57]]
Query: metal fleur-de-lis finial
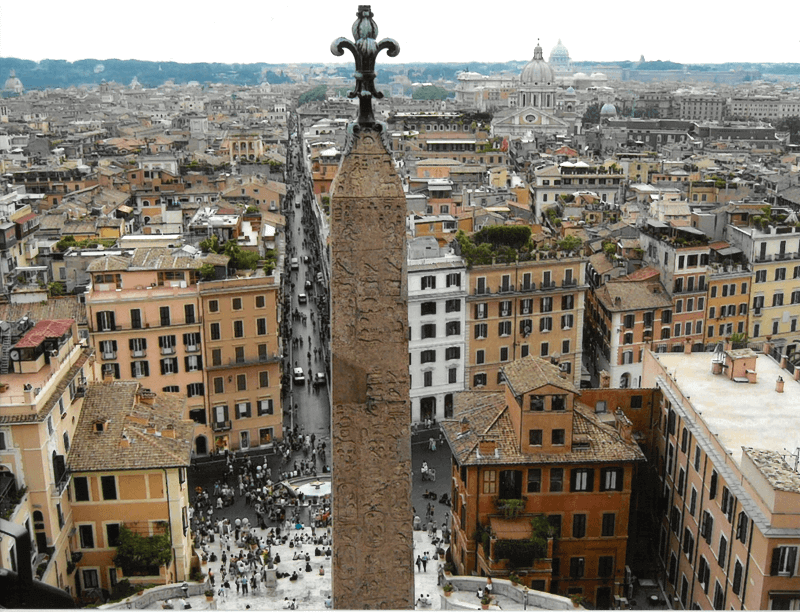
[[365, 50]]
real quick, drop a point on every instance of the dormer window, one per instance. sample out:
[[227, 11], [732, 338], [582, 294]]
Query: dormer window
[[99, 426], [537, 403], [558, 403]]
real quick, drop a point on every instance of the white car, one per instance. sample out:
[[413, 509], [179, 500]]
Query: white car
[[299, 377], [295, 264], [319, 379], [302, 298]]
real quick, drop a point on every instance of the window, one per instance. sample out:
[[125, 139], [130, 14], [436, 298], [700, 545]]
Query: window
[[216, 357], [166, 344], [636, 401], [564, 347], [723, 550], [427, 308], [108, 485], [693, 501], [195, 389], [712, 486], [524, 350], [105, 321], [192, 341], [666, 316], [761, 276], [605, 566], [140, 369], [261, 301], [577, 566], [171, 389], [567, 302], [452, 305], [672, 572], [609, 524], [452, 375], [480, 356], [545, 349], [697, 456], [737, 578], [136, 318], [780, 274], [215, 333], [428, 331], [503, 353], [238, 329], [707, 526], [164, 316], [534, 480], [526, 306], [265, 406], [427, 378], [479, 380], [546, 304], [611, 479], [236, 303], [681, 482], [688, 542], [504, 308], [241, 382], [557, 437], [567, 321], [627, 357], [556, 480], [219, 385], [213, 306], [536, 403], [582, 479], [703, 573], [453, 279], [239, 352], [481, 311], [243, 410], [784, 561], [535, 437], [453, 328], [193, 363], [428, 282], [741, 527], [719, 597], [558, 403], [777, 299], [504, 328], [108, 348], [188, 313], [169, 365], [452, 352], [578, 525], [545, 324], [81, 486], [490, 481], [261, 326], [428, 356], [112, 534], [86, 536]]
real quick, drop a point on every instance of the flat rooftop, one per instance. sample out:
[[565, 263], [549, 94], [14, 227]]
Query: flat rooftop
[[740, 414]]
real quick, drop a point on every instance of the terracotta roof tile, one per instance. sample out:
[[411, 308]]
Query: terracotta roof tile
[[529, 373], [68, 307], [42, 330]]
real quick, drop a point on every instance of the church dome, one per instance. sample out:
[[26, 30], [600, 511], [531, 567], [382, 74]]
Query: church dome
[[608, 110], [559, 51], [570, 91], [537, 71], [598, 76], [13, 83]]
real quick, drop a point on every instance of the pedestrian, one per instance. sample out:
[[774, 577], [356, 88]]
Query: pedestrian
[[419, 563], [425, 562]]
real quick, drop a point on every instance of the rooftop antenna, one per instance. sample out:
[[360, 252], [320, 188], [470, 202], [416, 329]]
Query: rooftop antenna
[[795, 455]]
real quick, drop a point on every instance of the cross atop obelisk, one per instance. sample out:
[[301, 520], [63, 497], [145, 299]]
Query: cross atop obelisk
[[373, 563]]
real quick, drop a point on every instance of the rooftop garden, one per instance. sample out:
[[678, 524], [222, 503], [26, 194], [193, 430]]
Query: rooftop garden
[[509, 244]]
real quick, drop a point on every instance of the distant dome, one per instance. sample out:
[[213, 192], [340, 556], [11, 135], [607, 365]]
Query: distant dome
[[537, 71], [570, 91], [559, 51], [598, 76], [13, 83], [608, 110], [581, 75]]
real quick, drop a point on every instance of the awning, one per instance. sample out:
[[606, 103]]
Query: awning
[[729, 251], [657, 224], [691, 230]]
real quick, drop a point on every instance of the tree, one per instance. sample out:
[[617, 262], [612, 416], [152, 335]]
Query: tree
[[592, 115], [791, 125], [570, 243], [431, 92], [56, 289], [317, 94], [139, 555]]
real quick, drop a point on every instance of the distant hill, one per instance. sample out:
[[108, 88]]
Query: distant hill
[[90, 72]]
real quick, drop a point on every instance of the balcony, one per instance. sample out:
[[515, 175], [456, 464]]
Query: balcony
[[506, 289], [221, 425], [109, 355], [10, 496], [248, 361], [569, 282], [757, 312]]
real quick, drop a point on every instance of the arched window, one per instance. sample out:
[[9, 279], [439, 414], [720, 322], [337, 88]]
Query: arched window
[[624, 381]]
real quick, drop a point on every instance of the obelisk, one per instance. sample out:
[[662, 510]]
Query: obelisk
[[373, 563]]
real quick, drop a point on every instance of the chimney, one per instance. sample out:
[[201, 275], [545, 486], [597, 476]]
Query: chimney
[[605, 379], [464, 425], [146, 397], [779, 384], [624, 425]]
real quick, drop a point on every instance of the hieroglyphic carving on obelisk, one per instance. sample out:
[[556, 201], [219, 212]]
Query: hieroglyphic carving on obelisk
[[373, 563]]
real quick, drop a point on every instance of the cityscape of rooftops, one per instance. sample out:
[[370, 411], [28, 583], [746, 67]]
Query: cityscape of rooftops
[[599, 212]]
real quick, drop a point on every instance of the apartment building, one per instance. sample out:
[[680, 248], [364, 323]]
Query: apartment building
[[152, 318], [727, 304], [774, 255], [570, 177], [702, 107], [45, 370], [525, 308], [532, 449], [129, 458], [437, 288], [626, 317], [729, 488]]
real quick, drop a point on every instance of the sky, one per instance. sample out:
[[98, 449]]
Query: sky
[[275, 31]]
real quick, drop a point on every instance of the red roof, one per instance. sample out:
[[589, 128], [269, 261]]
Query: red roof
[[642, 274], [45, 329], [26, 218]]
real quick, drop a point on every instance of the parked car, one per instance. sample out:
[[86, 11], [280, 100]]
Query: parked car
[[302, 298], [319, 379], [320, 278], [295, 263], [299, 377]]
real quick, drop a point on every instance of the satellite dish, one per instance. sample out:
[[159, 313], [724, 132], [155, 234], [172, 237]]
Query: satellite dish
[[14, 354]]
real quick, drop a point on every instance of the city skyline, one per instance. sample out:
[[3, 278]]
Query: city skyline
[[170, 32]]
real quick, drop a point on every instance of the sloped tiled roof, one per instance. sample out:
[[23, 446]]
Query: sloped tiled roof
[[484, 415], [135, 435], [531, 373], [44, 329], [68, 307], [109, 263], [632, 295]]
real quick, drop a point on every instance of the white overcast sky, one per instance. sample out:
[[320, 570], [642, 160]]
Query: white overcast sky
[[275, 31]]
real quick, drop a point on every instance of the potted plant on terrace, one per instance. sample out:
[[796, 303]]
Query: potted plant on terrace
[[447, 588], [209, 593], [485, 601]]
